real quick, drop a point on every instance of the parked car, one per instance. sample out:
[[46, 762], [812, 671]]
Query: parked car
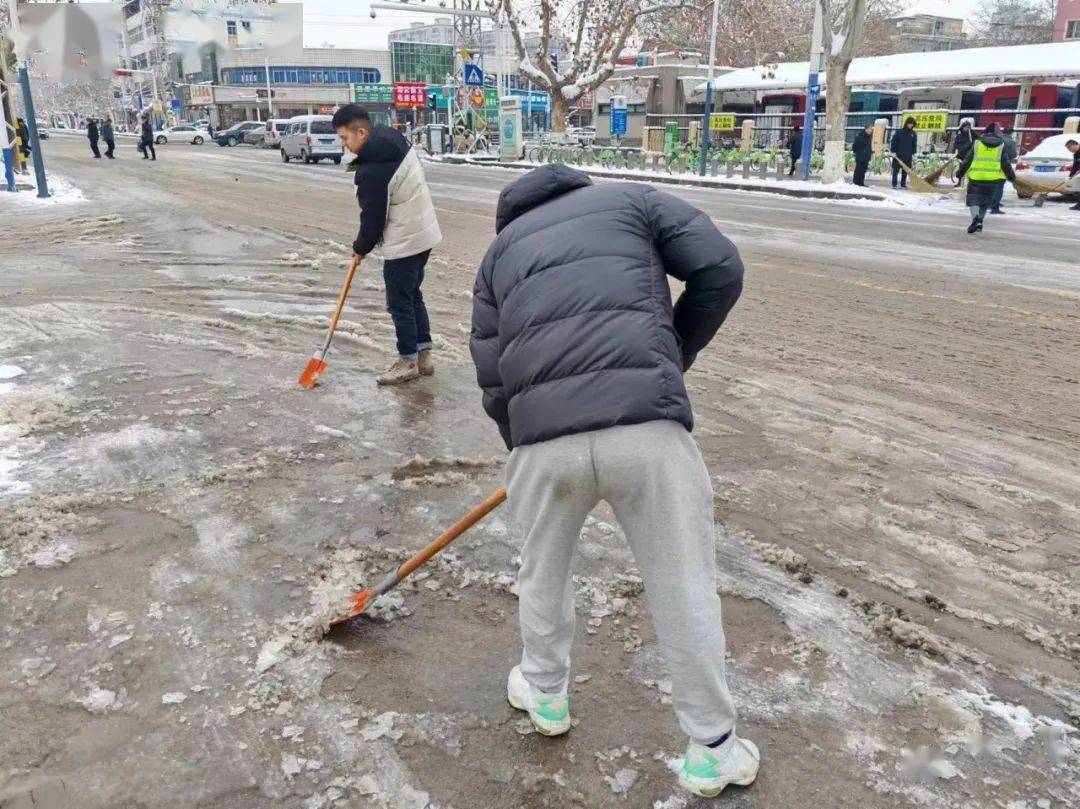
[[184, 133], [235, 133], [275, 129], [1050, 160], [311, 138], [42, 129], [256, 136]]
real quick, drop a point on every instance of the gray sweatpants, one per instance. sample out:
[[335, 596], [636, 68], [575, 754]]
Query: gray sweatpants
[[653, 477]]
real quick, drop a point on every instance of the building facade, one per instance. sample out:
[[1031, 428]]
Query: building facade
[[926, 32], [1067, 21]]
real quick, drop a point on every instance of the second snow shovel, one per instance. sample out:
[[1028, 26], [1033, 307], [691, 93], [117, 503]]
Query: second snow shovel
[[317, 364], [358, 603]]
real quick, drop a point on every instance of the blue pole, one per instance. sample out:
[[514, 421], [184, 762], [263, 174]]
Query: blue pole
[[705, 129], [813, 91], [9, 168], [31, 124]]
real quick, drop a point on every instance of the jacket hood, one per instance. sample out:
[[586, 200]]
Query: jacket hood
[[380, 147], [990, 139], [536, 188]]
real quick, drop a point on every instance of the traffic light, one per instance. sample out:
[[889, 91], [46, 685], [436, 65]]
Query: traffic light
[[432, 101]]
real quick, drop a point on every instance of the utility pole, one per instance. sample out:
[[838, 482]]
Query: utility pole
[[28, 105], [269, 92], [813, 90], [708, 91]]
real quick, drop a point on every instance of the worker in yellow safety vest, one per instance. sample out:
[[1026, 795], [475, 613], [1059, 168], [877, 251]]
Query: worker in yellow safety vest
[[987, 167]]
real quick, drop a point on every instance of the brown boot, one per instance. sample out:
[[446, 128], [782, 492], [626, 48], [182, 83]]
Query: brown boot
[[404, 370], [427, 367]]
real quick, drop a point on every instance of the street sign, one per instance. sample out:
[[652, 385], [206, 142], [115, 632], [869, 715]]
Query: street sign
[[474, 76], [511, 144], [201, 95], [721, 122], [927, 120], [175, 104], [618, 115], [373, 93]]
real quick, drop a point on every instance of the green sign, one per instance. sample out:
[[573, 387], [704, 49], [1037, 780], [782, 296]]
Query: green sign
[[671, 136], [722, 122], [373, 93]]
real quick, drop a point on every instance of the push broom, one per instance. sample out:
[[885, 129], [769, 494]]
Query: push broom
[[317, 364], [358, 602]]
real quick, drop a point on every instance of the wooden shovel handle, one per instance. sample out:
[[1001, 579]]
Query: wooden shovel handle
[[453, 532], [344, 292]]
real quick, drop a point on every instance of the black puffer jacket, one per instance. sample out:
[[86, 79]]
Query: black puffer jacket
[[904, 143], [573, 327]]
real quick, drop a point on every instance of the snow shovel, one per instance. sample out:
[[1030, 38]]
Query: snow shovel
[[358, 603], [317, 364]]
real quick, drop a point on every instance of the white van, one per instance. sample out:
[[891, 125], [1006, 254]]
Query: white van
[[311, 138]]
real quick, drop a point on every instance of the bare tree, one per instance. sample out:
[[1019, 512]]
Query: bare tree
[[595, 33], [1014, 22], [760, 32], [842, 30]]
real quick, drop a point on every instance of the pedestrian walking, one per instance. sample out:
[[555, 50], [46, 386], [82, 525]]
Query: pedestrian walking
[[581, 357], [1074, 173], [987, 167], [109, 137], [794, 145], [22, 135], [1012, 152], [903, 146], [210, 130], [863, 149], [397, 219], [92, 135], [146, 139]]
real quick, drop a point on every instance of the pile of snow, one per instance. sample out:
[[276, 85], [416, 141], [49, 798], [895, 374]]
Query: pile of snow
[[61, 192]]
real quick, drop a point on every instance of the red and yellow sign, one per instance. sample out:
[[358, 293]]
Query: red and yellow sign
[[410, 94]]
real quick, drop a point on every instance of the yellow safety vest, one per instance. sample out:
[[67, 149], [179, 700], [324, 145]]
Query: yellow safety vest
[[986, 165]]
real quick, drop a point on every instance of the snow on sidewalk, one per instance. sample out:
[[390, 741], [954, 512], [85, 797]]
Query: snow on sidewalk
[[61, 191]]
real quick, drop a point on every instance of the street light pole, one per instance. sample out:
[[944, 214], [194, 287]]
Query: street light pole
[[269, 92], [708, 91]]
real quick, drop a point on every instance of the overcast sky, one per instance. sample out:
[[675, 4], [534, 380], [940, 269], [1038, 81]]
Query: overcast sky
[[347, 23]]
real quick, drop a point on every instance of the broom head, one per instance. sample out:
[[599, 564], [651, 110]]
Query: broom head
[[312, 372]]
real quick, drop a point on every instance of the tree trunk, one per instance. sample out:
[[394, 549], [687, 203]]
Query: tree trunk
[[836, 67], [560, 110]]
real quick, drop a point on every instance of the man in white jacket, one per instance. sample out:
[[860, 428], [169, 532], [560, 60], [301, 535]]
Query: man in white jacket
[[398, 223]]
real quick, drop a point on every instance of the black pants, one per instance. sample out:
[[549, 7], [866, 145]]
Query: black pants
[[110, 146], [897, 169], [405, 302], [794, 160], [148, 146], [860, 172], [94, 147]]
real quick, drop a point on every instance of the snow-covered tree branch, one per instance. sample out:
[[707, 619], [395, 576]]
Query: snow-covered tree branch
[[586, 36]]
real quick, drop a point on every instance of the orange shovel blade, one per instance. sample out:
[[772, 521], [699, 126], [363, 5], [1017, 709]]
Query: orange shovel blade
[[357, 604], [312, 372]]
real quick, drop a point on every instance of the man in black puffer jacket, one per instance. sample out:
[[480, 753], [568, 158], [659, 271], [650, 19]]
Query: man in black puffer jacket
[[903, 145], [581, 356]]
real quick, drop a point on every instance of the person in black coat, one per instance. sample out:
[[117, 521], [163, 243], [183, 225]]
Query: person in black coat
[[963, 139], [92, 134], [863, 149], [580, 354], [794, 145], [903, 146], [146, 139], [109, 137], [22, 132]]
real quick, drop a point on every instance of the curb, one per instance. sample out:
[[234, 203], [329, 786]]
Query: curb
[[804, 193]]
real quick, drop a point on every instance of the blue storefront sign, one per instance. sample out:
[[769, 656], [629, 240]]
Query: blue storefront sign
[[531, 99]]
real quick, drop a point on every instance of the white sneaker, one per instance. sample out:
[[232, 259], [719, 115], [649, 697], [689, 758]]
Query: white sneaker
[[550, 713], [706, 771]]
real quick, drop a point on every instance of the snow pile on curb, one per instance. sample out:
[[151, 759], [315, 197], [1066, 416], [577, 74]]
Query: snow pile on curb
[[61, 192]]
